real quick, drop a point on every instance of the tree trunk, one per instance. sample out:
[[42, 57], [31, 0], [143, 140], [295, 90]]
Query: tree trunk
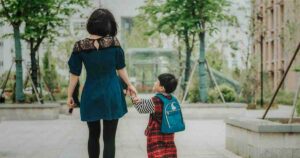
[[179, 58], [34, 72], [202, 71], [188, 52], [19, 68], [187, 66]]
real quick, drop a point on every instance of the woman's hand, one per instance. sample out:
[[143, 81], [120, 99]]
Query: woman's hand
[[131, 90], [70, 102], [72, 84]]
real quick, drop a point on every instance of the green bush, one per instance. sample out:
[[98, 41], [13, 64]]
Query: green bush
[[213, 96], [194, 95], [30, 98], [229, 94], [284, 97], [60, 96]]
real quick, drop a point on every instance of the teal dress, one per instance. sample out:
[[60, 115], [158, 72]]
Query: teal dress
[[102, 95]]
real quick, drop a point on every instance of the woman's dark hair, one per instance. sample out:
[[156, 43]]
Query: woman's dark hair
[[168, 81], [102, 23]]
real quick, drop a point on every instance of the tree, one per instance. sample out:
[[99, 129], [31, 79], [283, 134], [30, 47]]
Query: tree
[[187, 18], [207, 13], [138, 37], [14, 12], [41, 18], [215, 58], [169, 18], [50, 74], [44, 18]]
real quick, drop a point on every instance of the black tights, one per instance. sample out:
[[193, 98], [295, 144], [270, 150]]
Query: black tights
[[109, 133]]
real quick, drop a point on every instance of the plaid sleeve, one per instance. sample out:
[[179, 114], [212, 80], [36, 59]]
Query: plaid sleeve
[[158, 104]]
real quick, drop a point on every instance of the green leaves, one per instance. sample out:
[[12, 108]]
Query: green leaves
[[46, 16], [13, 11], [175, 16], [42, 17]]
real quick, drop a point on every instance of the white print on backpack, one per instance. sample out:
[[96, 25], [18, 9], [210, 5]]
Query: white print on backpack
[[173, 107]]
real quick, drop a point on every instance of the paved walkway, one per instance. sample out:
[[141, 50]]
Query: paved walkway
[[67, 138]]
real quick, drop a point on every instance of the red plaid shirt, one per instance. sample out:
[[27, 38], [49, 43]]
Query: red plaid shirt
[[159, 145]]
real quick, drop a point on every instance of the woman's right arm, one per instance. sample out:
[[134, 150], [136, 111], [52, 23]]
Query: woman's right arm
[[75, 66], [72, 84]]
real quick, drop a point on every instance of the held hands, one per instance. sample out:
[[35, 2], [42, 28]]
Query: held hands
[[131, 91], [135, 99]]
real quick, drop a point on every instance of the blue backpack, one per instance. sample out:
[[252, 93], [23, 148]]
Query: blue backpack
[[172, 120]]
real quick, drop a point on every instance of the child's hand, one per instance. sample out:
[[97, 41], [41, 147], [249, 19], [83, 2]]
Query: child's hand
[[135, 100]]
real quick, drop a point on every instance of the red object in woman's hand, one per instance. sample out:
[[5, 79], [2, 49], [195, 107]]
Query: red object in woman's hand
[[70, 110]]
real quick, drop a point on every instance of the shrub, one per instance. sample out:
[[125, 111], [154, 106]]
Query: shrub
[[30, 98], [229, 94], [213, 96], [284, 97], [61, 96], [194, 95]]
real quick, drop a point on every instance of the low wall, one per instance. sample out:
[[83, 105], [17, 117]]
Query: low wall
[[29, 111], [257, 138], [213, 111]]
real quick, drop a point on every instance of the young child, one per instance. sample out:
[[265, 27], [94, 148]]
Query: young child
[[159, 145]]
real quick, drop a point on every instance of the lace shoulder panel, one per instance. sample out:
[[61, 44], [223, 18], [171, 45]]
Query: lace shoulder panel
[[88, 44]]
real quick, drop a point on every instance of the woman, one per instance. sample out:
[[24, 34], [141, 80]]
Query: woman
[[102, 96]]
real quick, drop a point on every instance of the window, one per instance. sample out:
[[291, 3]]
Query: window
[[127, 24], [281, 14], [100, 3]]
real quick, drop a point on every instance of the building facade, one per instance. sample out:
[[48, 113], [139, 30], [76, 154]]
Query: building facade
[[276, 29]]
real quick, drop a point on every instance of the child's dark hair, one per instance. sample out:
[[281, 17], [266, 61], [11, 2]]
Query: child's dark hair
[[102, 23], [168, 81]]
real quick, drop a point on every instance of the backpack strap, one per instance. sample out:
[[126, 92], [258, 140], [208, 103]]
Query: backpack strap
[[164, 101], [163, 98]]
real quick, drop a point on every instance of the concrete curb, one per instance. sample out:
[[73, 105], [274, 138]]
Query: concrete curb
[[47, 111]]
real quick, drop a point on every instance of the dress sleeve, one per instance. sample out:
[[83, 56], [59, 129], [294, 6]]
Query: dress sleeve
[[120, 59], [75, 62]]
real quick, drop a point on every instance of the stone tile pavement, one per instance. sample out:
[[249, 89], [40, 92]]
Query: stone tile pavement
[[67, 138]]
